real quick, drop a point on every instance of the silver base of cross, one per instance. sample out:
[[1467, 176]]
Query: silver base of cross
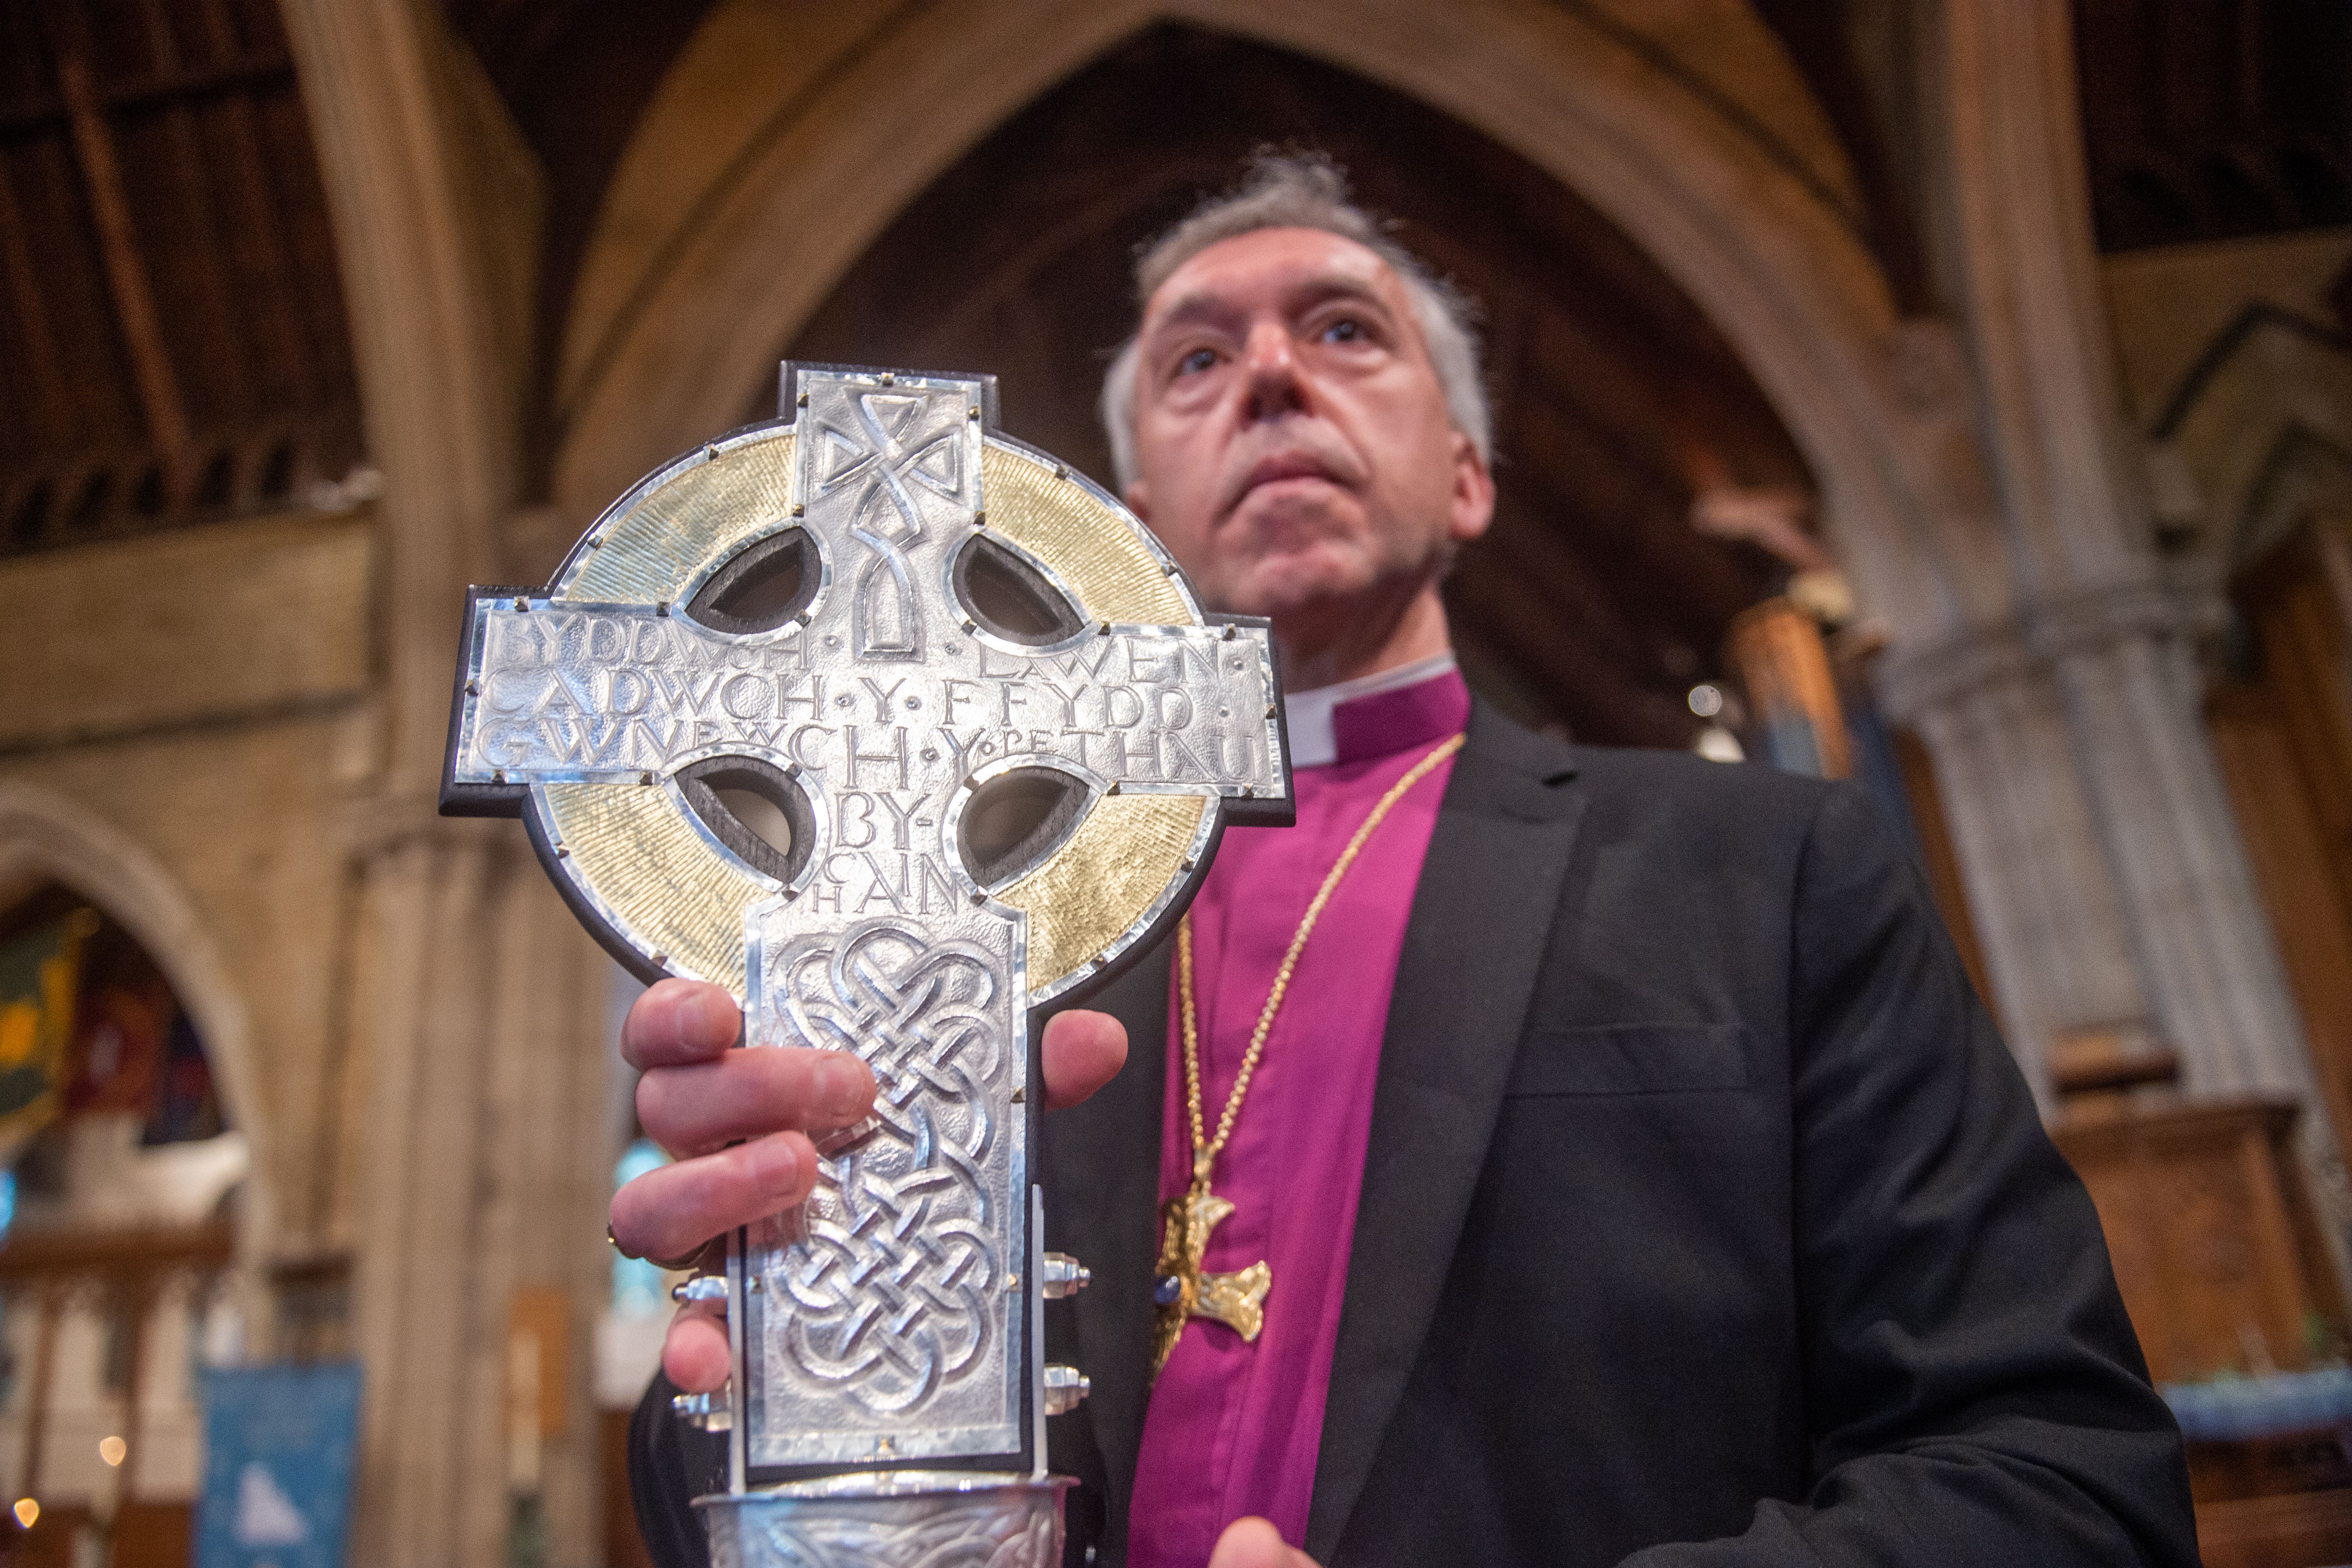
[[904, 1519]]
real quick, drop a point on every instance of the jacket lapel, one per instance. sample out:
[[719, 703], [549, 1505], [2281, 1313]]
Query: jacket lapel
[[1463, 983], [1101, 1165]]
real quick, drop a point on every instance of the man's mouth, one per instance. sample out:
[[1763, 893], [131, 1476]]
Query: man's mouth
[[1281, 467]]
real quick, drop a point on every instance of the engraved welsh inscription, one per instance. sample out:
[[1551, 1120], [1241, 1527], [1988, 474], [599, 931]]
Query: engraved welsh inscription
[[604, 694]]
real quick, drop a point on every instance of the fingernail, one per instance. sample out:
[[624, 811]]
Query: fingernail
[[840, 1086], [716, 1026], [775, 1165]]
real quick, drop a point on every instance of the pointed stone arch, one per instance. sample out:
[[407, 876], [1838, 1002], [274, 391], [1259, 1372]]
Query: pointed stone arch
[[44, 837], [1751, 234]]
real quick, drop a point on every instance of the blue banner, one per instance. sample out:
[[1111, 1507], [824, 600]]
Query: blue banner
[[279, 1446]]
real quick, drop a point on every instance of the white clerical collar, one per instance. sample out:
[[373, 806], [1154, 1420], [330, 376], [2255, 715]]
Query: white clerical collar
[[1313, 741]]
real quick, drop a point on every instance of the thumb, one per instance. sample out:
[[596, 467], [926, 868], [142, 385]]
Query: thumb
[[1255, 1543]]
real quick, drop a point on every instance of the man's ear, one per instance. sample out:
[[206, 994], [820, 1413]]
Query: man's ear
[[1139, 500], [1471, 508]]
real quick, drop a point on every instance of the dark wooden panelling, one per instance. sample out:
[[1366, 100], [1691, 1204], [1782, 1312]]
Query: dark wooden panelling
[[2215, 119]]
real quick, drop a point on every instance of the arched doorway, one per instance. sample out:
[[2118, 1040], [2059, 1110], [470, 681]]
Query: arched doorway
[[1594, 603], [118, 1239], [773, 155]]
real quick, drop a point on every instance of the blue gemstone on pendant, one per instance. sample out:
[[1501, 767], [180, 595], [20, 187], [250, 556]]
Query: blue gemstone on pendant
[[1167, 1291]]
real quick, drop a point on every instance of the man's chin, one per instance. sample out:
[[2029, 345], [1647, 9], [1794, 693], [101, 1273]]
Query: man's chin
[[1295, 590]]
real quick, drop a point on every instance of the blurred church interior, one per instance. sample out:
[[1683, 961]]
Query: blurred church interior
[[1953, 395]]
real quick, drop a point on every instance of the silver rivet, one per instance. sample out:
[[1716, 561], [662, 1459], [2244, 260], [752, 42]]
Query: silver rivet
[[709, 451], [1229, 633], [562, 853], [980, 519], [972, 626], [799, 510], [645, 778], [973, 411], [1104, 628], [1269, 709], [1111, 788], [473, 688], [520, 602], [802, 401], [595, 542], [980, 898], [1060, 470], [1020, 1096], [497, 776], [662, 608], [889, 379], [1173, 569], [661, 961]]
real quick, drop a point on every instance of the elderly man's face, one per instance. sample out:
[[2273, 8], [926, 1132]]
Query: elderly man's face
[[1293, 447]]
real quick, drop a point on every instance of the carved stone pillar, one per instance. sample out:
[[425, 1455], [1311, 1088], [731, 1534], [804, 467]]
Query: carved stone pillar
[[2103, 864], [2102, 855], [481, 1160], [474, 1142]]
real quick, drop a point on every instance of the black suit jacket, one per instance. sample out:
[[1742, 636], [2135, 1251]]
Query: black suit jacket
[[1706, 1219]]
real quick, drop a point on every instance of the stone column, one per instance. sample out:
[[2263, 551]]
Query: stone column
[[481, 1160], [474, 1144], [2097, 842], [2104, 865], [2048, 914]]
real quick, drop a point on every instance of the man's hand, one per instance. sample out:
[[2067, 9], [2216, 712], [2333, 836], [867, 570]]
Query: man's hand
[[1255, 1543], [738, 1122]]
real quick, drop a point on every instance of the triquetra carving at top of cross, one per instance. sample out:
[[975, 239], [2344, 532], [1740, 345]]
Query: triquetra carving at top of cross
[[913, 637]]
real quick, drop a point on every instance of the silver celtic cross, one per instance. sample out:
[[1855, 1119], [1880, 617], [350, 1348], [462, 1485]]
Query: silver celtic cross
[[899, 730]]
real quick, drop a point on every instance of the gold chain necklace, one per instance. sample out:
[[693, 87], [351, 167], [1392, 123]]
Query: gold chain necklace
[[1183, 1290]]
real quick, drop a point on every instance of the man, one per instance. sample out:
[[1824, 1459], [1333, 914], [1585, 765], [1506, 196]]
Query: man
[[1628, 1168]]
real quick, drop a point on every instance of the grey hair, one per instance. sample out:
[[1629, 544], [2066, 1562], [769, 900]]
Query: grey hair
[[1305, 191]]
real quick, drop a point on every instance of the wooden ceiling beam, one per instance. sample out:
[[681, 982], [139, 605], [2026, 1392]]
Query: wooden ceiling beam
[[259, 229], [126, 270], [191, 185], [230, 76], [52, 403]]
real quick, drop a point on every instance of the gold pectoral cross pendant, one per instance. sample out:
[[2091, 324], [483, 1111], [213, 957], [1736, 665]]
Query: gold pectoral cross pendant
[[1182, 1290]]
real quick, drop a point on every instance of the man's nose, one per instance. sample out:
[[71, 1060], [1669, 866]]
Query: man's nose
[[1273, 385]]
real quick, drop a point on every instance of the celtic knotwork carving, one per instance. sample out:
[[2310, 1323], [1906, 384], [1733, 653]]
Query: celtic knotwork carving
[[896, 1264]]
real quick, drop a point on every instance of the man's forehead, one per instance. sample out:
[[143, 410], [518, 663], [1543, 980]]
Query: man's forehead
[[1285, 266]]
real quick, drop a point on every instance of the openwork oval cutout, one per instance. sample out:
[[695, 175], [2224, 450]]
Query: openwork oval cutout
[[754, 809], [762, 586], [1011, 598], [1015, 821]]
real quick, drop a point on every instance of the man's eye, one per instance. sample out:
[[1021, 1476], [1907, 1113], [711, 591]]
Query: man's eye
[[1346, 330], [1197, 360]]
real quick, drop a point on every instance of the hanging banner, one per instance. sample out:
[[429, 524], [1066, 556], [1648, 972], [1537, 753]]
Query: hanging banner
[[40, 971], [279, 1446]]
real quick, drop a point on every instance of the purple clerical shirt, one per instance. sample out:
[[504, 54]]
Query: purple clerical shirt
[[1233, 1428]]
